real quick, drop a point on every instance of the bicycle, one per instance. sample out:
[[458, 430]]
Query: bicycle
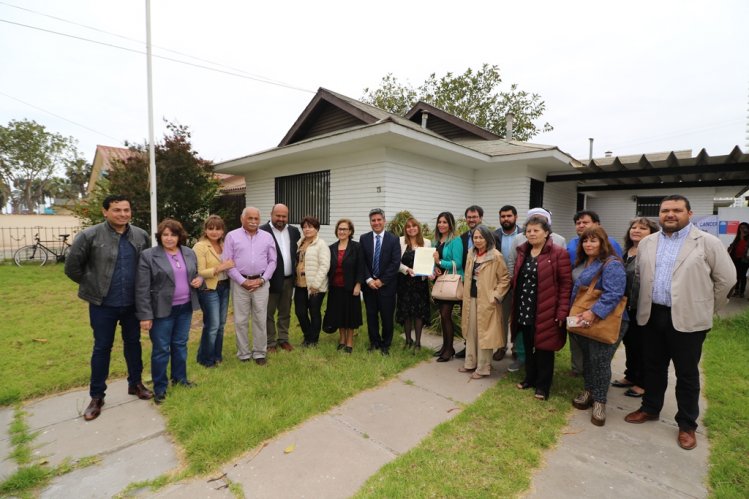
[[38, 253]]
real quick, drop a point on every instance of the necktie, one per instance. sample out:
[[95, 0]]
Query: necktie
[[376, 263], [470, 240]]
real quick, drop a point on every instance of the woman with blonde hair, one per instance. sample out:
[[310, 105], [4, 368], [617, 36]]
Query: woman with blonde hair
[[413, 290], [214, 294]]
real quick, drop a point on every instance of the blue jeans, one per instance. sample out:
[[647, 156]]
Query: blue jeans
[[215, 304], [103, 322], [169, 337]]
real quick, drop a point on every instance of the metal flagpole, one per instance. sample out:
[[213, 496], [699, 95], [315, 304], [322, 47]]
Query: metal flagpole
[[151, 147]]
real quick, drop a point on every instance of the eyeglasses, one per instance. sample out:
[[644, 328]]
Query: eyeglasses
[[176, 261], [343, 229]]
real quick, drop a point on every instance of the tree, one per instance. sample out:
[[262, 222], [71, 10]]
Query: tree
[[473, 96], [29, 157], [186, 185]]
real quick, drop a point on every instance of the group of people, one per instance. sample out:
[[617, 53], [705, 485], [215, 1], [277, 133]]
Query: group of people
[[517, 284]]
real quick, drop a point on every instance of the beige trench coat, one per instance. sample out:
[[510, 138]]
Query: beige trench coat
[[493, 284]]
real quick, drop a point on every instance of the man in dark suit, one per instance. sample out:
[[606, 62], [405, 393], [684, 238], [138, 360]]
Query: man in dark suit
[[382, 257], [282, 282]]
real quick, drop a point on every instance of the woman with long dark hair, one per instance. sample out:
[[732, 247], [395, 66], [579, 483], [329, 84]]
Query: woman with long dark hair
[[633, 340], [596, 259], [448, 257]]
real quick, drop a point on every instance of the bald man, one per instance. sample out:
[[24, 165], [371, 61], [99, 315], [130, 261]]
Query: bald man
[[254, 254]]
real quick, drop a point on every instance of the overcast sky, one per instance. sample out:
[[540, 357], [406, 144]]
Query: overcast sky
[[638, 76]]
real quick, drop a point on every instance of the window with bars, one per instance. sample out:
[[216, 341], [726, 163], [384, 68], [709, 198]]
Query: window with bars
[[305, 194], [648, 206]]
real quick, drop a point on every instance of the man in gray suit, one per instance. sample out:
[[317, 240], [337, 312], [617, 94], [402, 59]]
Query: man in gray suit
[[685, 275]]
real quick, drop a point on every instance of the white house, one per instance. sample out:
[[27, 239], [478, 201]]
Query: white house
[[343, 157]]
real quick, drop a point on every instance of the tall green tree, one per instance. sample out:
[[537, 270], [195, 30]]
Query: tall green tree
[[185, 183], [474, 96], [30, 155]]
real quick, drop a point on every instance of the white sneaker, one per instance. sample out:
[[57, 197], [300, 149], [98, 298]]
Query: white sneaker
[[515, 366]]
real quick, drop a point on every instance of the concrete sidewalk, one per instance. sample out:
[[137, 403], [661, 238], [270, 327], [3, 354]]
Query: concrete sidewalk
[[333, 454]]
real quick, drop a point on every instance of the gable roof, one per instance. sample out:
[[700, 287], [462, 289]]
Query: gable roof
[[104, 157], [446, 124]]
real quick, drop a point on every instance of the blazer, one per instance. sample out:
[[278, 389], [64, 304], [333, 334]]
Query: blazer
[[703, 275], [452, 252], [276, 280], [402, 268], [207, 261], [390, 261], [316, 264], [154, 283], [352, 264]]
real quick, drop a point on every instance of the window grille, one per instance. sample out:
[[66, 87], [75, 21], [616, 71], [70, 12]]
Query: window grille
[[305, 194]]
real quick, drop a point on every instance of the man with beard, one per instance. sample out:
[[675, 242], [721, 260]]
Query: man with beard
[[505, 236], [282, 281], [685, 275]]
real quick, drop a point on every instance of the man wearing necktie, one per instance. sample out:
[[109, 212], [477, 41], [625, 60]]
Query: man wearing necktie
[[382, 256]]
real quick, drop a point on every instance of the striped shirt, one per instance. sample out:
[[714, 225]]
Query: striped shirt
[[666, 252]]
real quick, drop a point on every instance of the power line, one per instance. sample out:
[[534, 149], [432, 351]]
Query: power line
[[58, 116], [99, 30], [682, 133], [200, 66]]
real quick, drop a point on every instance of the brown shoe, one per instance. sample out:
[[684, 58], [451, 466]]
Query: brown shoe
[[499, 354], [93, 410], [261, 361], [141, 391], [687, 439], [287, 346], [639, 417], [272, 350]]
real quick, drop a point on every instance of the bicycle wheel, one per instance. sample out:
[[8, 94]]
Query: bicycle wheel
[[30, 255]]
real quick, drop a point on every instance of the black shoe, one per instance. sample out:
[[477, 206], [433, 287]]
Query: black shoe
[[341, 346], [385, 351], [372, 348], [438, 352], [446, 356], [461, 354], [348, 349], [159, 398]]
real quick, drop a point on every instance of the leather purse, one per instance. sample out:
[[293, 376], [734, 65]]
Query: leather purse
[[448, 286], [604, 330]]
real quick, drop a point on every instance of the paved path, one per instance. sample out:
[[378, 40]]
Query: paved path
[[333, 454]]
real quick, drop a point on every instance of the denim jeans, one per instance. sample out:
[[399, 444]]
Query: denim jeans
[[103, 322], [215, 304], [169, 337]]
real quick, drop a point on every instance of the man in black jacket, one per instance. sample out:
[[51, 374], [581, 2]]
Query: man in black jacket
[[102, 261], [282, 282]]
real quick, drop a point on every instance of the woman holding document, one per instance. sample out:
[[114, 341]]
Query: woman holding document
[[413, 290]]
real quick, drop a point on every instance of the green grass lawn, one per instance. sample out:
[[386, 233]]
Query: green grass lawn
[[490, 449]]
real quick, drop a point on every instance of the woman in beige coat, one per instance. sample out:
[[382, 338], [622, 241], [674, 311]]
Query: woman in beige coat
[[486, 284], [313, 262]]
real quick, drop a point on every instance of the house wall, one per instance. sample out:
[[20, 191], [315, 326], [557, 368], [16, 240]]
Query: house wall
[[498, 186], [616, 208], [561, 199]]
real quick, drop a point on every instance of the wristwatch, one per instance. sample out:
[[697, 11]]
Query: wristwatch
[[263, 280]]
